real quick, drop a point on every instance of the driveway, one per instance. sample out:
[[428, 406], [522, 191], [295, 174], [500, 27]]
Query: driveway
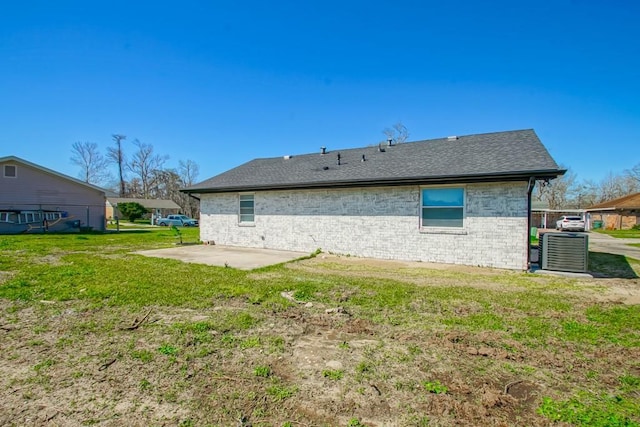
[[225, 256], [599, 242]]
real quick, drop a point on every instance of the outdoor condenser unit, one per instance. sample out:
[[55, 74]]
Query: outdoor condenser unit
[[564, 252]]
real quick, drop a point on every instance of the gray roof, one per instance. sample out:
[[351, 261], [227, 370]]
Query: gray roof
[[512, 155]]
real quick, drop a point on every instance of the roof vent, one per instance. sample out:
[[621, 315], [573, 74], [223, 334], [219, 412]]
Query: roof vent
[[380, 148], [325, 168], [363, 159], [287, 157], [323, 150], [452, 138], [389, 142], [338, 161]]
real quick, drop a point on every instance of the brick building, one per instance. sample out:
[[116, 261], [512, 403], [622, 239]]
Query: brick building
[[618, 214], [461, 200]]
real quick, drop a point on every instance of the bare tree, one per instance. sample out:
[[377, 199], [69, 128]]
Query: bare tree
[[558, 192], [614, 186], [116, 155], [634, 173], [92, 164], [398, 133], [189, 171], [134, 188], [145, 164]]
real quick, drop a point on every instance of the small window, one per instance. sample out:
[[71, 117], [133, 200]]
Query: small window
[[247, 208], [10, 171], [51, 216], [443, 207], [4, 216], [29, 217]]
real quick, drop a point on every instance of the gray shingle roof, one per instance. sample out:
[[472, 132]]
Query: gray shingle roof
[[492, 156]]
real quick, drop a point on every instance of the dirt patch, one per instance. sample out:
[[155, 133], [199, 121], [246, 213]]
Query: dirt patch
[[5, 276], [235, 362]]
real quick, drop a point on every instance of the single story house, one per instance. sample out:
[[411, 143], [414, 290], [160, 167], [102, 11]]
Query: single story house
[[618, 214], [36, 199], [157, 207], [460, 199]]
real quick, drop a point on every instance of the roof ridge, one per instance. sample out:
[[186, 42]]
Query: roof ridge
[[384, 144], [613, 202]]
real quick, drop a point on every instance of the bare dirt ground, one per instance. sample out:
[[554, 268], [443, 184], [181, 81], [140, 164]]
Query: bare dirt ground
[[74, 363]]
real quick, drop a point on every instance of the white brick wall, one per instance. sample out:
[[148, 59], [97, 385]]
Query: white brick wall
[[382, 222]]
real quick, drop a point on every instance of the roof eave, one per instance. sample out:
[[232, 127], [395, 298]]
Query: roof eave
[[443, 179]]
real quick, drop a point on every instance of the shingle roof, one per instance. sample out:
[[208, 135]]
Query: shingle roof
[[501, 155], [631, 201]]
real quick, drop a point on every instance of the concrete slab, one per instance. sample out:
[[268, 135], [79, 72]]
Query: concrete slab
[[221, 256], [561, 273]]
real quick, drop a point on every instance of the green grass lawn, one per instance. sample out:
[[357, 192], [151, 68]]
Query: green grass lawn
[[115, 337], [623, 234]]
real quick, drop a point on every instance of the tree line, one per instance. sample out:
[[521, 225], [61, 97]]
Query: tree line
[[141, 171], [570, 192]]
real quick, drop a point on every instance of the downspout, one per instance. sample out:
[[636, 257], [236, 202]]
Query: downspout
[[532, 184]]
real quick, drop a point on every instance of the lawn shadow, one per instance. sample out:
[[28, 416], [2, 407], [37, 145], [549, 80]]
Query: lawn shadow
[[611, 265], [124, 230]]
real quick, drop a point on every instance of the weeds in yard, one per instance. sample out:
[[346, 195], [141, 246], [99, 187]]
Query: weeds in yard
[[280, 392], [168, 350], [145, 355], [435, 387], [587, 409], [244, 352], [262, 371], [333, 374]]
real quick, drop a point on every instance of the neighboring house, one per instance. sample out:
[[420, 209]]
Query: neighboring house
[[619, 214], [461, 200], [543, 217], [157, 207], [36, 199]]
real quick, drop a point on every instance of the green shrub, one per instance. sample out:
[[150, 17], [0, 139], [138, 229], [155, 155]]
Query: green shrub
[[132, 210]]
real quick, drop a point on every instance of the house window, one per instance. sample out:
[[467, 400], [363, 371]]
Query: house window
[[247, 208], [27, 217], [10, 171], [52, 216], [4, 216], [443, 207]]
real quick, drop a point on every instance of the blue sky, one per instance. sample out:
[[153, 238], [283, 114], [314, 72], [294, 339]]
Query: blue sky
[[222, 82]]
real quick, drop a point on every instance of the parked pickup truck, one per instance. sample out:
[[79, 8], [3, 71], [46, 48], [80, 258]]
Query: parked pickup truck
[[177, 220]]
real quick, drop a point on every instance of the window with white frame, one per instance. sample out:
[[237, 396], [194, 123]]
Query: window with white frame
[[51, 216], [4, 216], [10, 171], [442, 207], [247, 208], [28, 217]]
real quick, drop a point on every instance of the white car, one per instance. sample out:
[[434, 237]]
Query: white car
[[570, 223]]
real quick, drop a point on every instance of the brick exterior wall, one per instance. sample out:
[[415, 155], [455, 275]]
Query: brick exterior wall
[[379, 222]]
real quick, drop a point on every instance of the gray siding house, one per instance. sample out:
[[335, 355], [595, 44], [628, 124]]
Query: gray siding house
[[461, 200], [34, 199]]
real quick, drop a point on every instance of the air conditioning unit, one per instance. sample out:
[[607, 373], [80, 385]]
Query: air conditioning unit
[[564, 252]]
